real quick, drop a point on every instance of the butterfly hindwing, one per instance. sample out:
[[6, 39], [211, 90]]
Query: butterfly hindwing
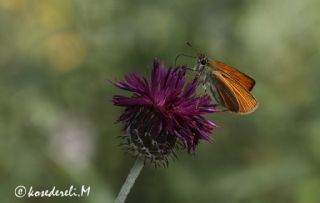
[[231, 94]]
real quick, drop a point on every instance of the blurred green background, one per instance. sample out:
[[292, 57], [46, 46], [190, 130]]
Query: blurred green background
[[57, 122]]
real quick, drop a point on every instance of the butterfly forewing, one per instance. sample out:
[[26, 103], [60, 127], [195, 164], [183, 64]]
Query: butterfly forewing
[[232, 95], [235, 74]]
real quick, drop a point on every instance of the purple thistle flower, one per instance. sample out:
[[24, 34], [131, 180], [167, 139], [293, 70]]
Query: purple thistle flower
[[162, 114]]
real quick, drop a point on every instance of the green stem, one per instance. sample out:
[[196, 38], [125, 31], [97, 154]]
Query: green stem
[[132, 176]]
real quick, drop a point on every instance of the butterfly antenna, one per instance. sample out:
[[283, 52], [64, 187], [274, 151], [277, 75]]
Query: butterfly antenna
[[185, 55], [194, 49]]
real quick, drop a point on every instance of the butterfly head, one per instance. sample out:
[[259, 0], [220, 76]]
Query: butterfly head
[[201, 63], [202, 59]]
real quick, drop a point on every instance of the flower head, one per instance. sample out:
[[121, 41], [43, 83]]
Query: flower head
[[162, 114]]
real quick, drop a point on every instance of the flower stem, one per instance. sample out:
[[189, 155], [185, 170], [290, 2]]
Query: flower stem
[[132, 176]]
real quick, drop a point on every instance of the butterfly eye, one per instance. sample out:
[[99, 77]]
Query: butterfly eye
[[203, 61]]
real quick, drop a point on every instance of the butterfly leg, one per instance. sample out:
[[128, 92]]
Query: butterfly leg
[[205, 88], [203, 80]]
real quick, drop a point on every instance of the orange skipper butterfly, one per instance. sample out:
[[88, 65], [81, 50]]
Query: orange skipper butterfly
[[228, 86]]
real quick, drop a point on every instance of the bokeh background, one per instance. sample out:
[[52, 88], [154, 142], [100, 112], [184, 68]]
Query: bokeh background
[[57, 122]]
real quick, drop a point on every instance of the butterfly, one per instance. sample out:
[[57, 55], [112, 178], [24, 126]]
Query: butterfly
[[228, 86]]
